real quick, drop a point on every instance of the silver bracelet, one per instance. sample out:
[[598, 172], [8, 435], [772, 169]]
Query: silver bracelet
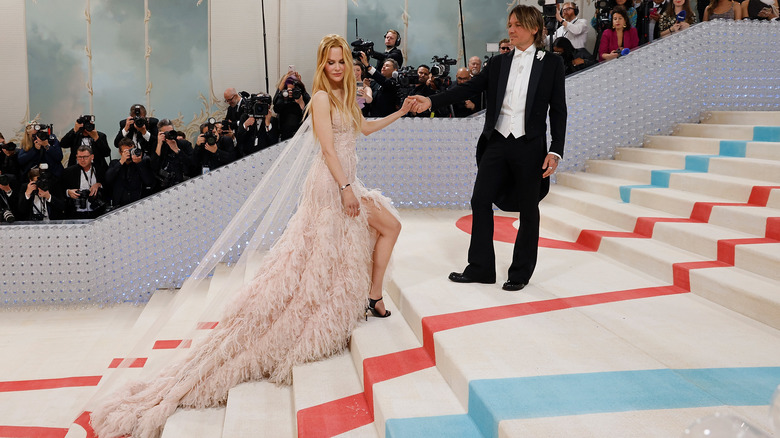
[[344, 186]]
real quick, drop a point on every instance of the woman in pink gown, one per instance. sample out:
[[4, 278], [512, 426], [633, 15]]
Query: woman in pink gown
[[310, 291]]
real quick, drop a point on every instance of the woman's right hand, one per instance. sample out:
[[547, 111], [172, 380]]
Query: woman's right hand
[[350, 202]]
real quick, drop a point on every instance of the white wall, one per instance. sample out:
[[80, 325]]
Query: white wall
[[13, 68], [293, 31]]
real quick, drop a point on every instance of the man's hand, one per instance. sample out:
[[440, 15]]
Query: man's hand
[[77, 126], [93, 134], [5, 188], [44, 195], [268, 118], [408, 104], [72, 193], [142, 130], [129, 123], [211, 148], [136, 158], [249, 122], [31, 187], [124, 157], [201, 140], [364, 59], [470, 105], [550, 164], [94, 189], [558, 12], [173, 145], [422, 103]]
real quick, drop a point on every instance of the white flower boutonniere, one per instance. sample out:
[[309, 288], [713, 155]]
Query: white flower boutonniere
[[540, 55]]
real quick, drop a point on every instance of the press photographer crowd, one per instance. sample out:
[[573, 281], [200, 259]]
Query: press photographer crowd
[[35, 185]]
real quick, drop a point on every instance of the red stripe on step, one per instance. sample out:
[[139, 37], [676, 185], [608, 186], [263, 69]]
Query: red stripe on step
[[760, 195], [207, 325], [773, 228], [681, 271], [135, 362], [592, 238], [433, 324], [83, 421], [727, 247], [380, 368], [644, 225], [32, 432], [702, 210], [335, 417], [33, 385], [172, 343]]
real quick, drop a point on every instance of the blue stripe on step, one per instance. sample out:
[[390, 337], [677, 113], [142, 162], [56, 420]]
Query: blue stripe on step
[[698, 163], [733, 148], [766, 133], [447, 426], [660, 178], [625, 191], [492, 401]]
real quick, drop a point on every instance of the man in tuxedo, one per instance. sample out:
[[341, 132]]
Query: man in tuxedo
[[512, 158], [235, 108], [83, 184], [386, 99]]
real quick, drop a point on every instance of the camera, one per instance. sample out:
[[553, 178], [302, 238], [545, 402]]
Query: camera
[[603, 18], [88, 122], [7, 215], [441, 66], [171, 135], [81, 201], [138, 120], [44, 179], [136, 151], [10, 147], [362, 46], [293, 94], [256, 105], [44, 132], [226, 125], [406, 76]]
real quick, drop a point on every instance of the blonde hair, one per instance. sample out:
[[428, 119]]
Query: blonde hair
[[530, 18], [27, 140], [347, 106]]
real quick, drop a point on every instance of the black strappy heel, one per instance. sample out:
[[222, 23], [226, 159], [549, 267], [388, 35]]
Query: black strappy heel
[[372, 307]]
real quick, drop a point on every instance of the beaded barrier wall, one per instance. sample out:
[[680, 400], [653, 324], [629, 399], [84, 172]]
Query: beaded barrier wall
[[156, 243]]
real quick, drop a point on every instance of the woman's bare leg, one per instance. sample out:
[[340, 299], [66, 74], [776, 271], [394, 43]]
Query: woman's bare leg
[[387, 228]]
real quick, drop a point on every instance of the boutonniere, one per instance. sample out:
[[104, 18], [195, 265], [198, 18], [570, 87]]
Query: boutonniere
[[540, 55]]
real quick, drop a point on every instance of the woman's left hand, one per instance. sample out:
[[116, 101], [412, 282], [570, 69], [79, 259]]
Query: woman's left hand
[[350, 202]]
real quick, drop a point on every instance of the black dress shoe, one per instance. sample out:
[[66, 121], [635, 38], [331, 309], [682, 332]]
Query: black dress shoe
[[458, 277], [513, 285]]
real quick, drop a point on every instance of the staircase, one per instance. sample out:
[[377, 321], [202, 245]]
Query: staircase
[[698, 212]]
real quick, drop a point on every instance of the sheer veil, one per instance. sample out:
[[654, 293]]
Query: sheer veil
[[198, 304]]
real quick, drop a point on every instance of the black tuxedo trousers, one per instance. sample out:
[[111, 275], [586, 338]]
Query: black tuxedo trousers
[[507, 162]]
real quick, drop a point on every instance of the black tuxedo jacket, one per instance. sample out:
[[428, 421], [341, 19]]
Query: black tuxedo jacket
[[234, 113], [394, 53], [546, 93]]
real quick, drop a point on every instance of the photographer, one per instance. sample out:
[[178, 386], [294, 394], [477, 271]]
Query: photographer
[[469, 106], [563, 47], [572, 28], [83, 184], [139, 128], [425, 87], [84, 133], [649, 12], [40, 146], [386, 95], [130, 175], [289, 103], [172, 158], [256, 133], [39, 202], [392, 42], [8, 200], [9, 162], [235, 107], [212, 149]]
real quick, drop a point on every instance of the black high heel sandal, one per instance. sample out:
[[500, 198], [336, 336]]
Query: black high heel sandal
[[372, 307]]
